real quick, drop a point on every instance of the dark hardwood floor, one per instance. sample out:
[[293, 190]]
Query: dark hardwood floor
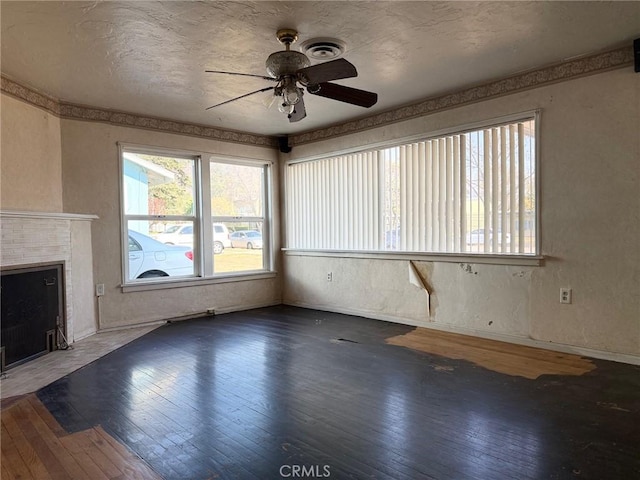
[[285, 392]]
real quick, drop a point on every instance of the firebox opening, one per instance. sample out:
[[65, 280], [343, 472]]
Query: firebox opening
[[31, 309]]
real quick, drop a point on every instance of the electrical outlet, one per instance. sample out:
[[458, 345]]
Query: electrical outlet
[[565, 295], [330, 277], [211, 311], [99, 289]]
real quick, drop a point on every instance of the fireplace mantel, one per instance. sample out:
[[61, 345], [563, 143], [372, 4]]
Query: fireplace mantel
[[46, 215]]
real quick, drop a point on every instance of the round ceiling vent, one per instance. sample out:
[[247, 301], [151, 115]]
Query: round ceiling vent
[[323, 48]]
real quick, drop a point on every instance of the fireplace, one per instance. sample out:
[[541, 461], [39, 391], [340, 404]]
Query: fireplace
[[33, 321], [48, 255]]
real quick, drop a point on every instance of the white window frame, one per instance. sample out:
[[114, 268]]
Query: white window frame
[[202, 220], [535, 258], [267, 260]]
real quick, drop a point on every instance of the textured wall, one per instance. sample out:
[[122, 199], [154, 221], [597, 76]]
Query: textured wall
[[91, 185], [590, 224], [30, 166]]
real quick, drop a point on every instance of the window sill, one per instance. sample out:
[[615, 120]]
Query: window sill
[[502, 259], [195, 282]]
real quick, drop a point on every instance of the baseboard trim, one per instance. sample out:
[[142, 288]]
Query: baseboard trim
[[191, 316], [247, 307], [527, 342]]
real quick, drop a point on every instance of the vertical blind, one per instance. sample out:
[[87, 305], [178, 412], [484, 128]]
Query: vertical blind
[[469, 192]]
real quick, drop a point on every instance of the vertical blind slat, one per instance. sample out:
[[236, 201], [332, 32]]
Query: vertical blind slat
[[375, 226], [521, 220], [422, 187], [456, 194], [429, 194], [487, 192], [512, 188], [504, 183], [463, 193], [449, 194], [442, 197], [492, 236]]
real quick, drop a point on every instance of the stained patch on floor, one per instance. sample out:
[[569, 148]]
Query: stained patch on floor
[[502, 357]]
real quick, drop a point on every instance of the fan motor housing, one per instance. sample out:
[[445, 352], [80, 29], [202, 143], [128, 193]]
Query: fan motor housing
[[286, 63]]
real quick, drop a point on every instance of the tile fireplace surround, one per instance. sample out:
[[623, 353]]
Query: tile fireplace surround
[[31, 239]]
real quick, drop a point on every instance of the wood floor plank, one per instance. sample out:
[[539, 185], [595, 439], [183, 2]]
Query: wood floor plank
[[92, 470], [4, 472], [11, 459], [22, 445]]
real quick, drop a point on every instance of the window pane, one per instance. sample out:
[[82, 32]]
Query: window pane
[[173, 233], [237, 197], [150, 258], [243, 247], [158, 185], [236, 190]]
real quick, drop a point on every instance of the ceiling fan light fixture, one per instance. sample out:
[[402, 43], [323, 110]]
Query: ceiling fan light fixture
[[291, 94], [293, 72], [286, 108]]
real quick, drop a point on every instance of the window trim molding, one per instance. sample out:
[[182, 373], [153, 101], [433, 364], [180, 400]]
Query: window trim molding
[[198, 281], [480, 258]]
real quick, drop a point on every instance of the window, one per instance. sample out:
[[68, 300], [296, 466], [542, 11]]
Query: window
[[472, 191], [180, 212]]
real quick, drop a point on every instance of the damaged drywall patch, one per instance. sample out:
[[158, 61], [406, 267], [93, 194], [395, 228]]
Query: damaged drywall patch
[[501, 357], [419, 273]]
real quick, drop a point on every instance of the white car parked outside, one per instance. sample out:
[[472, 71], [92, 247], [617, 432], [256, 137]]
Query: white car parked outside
[[183, 235], [149, 258]]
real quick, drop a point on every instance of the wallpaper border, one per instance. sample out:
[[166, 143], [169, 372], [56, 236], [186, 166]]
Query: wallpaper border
[[126, 119], [559, 72]]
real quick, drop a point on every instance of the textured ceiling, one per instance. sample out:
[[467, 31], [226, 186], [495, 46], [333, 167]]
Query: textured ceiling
[[149, 57]]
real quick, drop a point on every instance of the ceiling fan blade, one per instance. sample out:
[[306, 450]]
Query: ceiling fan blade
[[241, 96], [299, 112], [243, 74], [341, 93], [325, 72]]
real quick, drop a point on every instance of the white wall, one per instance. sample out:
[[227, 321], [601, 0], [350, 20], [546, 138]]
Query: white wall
[[590, 227], [30, 163], [91, 185]]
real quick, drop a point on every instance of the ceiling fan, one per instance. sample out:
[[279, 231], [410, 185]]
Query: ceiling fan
[[292, 71]]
